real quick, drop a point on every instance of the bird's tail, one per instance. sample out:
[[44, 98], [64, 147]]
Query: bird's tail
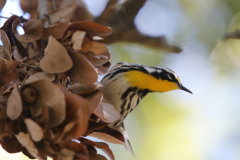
[[126, 139]]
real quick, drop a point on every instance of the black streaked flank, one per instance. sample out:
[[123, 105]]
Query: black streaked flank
[[138, 100], [130, 101], [127, 92], [122, 106]]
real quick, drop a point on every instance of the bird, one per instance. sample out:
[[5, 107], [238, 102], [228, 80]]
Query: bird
[[126, 84]]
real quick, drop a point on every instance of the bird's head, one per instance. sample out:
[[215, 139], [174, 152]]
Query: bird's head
[[154, 79]]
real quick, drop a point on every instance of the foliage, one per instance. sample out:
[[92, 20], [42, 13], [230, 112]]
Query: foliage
[[49, 96]]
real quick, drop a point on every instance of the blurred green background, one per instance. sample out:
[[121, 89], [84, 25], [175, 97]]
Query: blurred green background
[[177, 125]]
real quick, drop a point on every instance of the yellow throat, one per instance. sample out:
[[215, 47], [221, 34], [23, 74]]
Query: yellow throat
[[145, 81]]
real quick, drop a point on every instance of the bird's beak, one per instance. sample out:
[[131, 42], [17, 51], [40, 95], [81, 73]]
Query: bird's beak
[[184, 88]]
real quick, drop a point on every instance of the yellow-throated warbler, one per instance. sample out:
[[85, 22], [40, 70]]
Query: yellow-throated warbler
[[126, 84]]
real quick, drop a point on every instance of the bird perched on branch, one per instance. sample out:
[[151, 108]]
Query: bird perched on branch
[[126, 84]]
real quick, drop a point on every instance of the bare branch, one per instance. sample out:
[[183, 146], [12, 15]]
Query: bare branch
[[130, 9], [134, 36], [121, 20], [230, 35], [109, 9]]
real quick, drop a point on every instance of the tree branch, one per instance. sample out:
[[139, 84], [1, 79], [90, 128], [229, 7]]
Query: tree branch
[[121, 20], [230, 35], [109, 9], [132, 35]]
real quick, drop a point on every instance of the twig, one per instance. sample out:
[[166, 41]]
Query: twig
[[4, 17], [27, 65], [235, 35]]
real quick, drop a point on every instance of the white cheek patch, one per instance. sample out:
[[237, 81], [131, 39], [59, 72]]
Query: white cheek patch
[[169, 76]]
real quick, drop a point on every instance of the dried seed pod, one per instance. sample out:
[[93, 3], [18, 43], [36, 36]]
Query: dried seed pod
[[5, 136], [29, 95]]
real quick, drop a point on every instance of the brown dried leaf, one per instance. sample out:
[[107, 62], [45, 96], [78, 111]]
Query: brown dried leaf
[[11, 77], [2, 3], [12, 37], [56, 58], [77, 111], [77, 40], [43, 119], [6, 43], [26, 153], [99, 49], [66, 154], [39, 76], [11, 65], [56, 29], [97, 60], [33, 29], [48, 148], [14, 104], [103, 69], [64, 13], [16, 54], [68, 127], [101, 57], [82, 71], [84, 89], [32, 48], [8, 90], [29, 6], [34, 130], [108, 135], [87, 45], [79, 148], [97, 157], [3, 107], [36, 108], [92, 29], [8, 23], [107, 112], [94, 125], [94, 100], [4, 53], [3, 64], [51, 96], [25, 140], [11, 146], [101, 145]]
